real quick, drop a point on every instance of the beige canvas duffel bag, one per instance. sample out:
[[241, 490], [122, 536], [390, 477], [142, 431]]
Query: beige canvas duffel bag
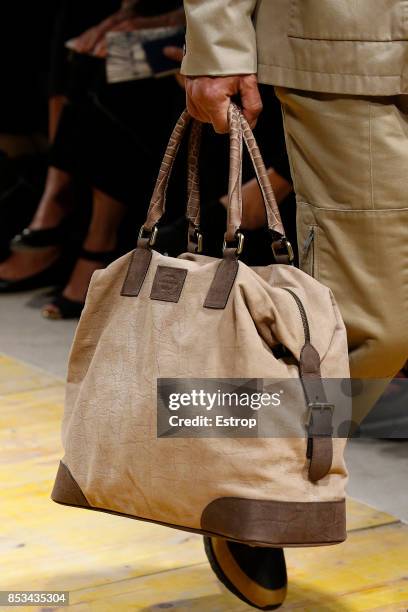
[[148, 317]]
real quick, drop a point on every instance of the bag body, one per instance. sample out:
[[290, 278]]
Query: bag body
[[148, 316]]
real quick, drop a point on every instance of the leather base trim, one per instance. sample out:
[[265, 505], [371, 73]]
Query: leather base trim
[[66, 489], [273, 522], [238, 528]]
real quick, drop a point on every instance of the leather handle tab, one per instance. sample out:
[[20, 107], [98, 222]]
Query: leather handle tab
[[137, 270], [223, 281]]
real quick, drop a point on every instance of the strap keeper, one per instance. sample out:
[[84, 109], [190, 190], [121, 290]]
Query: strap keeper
[[319, 423]]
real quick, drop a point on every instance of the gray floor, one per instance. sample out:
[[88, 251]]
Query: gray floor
[[378, 468], [26, 335]]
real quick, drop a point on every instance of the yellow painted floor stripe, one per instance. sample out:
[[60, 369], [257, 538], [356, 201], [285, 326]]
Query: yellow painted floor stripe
[[114, 564]]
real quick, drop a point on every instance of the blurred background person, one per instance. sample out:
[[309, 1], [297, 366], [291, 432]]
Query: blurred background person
[[107, 144]]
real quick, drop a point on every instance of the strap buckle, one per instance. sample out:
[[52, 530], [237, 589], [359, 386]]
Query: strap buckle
[[151, 234], [240, 243], [320, 420]]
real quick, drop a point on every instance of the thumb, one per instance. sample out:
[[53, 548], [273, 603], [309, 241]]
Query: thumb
[[250, 98]]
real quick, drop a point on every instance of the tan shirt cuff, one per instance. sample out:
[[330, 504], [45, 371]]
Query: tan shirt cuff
[[220, 38]]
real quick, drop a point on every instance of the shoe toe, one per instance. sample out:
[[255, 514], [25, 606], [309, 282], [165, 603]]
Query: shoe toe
[[254, 574]]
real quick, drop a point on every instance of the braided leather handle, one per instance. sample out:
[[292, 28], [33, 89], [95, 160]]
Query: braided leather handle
[[272, 209], [158, 200], [234, 209], [193, 174], [239, 132]]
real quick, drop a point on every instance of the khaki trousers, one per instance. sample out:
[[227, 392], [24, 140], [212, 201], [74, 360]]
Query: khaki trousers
[[349, 162]]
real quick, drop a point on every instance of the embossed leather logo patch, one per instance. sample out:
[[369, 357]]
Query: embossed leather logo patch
[[168, 284]]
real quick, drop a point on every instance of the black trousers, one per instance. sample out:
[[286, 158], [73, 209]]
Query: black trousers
[[113, 137]]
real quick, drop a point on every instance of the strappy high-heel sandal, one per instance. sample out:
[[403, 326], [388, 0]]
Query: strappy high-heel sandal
[[62, 307]]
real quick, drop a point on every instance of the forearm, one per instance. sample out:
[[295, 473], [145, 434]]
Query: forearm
[[135, 8], [220, 38], [172, 18]]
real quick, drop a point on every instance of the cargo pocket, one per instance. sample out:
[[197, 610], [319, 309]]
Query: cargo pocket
[[308, 253], [364, 20]]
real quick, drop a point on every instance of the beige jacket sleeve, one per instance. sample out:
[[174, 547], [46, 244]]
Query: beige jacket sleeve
[[220, 37]]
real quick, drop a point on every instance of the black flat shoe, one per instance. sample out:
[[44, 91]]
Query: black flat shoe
[[34, 239], [55, 274], [62, 307], [254, 574]]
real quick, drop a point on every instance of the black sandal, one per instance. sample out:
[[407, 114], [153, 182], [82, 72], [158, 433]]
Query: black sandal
[[62, 307], [33, 239], [54, 275]]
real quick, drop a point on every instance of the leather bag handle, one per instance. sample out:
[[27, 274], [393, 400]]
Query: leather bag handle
[[239, 132], [274, 219], [158, 200]]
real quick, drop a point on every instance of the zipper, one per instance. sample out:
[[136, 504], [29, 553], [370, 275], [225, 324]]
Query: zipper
[[303, 315], [305, 251]]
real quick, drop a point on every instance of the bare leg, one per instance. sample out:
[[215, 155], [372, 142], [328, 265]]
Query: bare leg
[[50, 212], [55, 106], [56, 201], [107, 215]]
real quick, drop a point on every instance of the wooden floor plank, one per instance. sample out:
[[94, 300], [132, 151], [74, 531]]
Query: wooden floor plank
[[16, 375], [361, 516]]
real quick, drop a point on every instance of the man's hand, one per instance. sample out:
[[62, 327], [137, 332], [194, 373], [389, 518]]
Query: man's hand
[[208, 99], [93, 41], [86, 42]]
